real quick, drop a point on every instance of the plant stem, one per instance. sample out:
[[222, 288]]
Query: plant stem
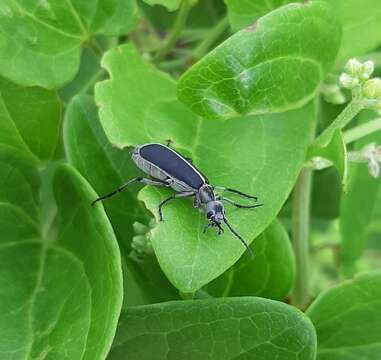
[[177, 29], [211, 37], [360, 131], [300, 233], [349, 112]]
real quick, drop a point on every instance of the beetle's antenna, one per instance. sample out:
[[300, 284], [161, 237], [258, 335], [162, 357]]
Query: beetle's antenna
[[208, 225], [239, 237]]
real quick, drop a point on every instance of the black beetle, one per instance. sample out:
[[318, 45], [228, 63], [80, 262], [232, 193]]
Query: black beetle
[[169, 168]]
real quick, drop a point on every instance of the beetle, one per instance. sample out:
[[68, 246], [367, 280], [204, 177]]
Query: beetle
[[170, 169]]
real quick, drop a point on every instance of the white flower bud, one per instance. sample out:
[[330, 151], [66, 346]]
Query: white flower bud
[[366, 70], [353, 67], [348, 81], [372, 89]]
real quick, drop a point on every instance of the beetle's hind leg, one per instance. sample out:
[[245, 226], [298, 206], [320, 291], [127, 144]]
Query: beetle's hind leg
[[140, 179], [172, 197]]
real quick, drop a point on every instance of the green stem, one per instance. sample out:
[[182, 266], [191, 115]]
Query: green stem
[[349, 112], [300, 233], [360, 131], [211, 37], [177, 29]]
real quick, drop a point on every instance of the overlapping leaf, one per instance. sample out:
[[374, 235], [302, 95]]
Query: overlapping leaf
[[30, 119], [240, 328], [40, 40], [260, 155], [274, 66], [244, 13], [54, 303], [347, 319], [270, 273]]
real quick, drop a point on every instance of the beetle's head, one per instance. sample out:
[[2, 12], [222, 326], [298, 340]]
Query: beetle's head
[[214, 211]]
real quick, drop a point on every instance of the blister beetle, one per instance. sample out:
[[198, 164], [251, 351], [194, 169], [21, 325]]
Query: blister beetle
[[168, 168]]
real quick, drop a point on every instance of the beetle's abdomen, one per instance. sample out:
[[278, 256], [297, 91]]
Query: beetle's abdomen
[[162, 162]]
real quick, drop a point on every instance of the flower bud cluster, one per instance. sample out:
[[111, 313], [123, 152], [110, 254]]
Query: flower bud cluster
[[357, 77]]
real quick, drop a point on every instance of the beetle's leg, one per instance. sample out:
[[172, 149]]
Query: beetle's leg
[[221, 188], [238, 205], [124, 186], [168, 142], [172, 197]]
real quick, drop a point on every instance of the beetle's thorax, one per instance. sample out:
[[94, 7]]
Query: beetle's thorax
[[206, 194]]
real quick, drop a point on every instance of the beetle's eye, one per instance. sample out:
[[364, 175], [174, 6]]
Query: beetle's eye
[[209, 214]]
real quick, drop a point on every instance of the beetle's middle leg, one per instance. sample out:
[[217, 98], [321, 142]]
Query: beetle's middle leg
[[222, 188], [140, 179], [240, 206], [172, 197]]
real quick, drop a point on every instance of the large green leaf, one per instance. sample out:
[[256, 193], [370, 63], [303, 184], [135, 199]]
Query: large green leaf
[[361, 26], [274, 147], [347, 319], [244, 13], [275, 66], [240, 328], [61, 290], [104, 166], [30, 118], [40, 40], [270, 273]]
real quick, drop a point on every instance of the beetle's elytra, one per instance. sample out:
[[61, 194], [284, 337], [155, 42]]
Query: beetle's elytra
[[169, 168]]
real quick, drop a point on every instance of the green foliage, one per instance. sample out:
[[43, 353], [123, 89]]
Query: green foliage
[[40, 41], [270, 273], [277, 53], [347, 319], [30, 119], [111, 281], [360, 21], [56, 304], [245, 13], [215, 329]]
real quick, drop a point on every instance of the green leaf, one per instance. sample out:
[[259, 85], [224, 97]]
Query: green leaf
[[171, 5], [240, 328], [104, 166], [30, 118], [89, 73], [357, 204], [40, 41], [245, 13], [336, 152], [61, 288], [347, 319], [270, 273], [272, 67], [361, 26], [145, 283], [274, 146]]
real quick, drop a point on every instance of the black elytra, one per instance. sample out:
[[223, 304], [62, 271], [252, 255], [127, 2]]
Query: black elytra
[[169, 168]]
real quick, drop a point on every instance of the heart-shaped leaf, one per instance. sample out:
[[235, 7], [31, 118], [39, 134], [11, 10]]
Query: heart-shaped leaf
[[40, 41], [56, 303], [260, 155], [244, 13], [269, 273], [30, 118], [230, 328], [274, 66], [347, 319]]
